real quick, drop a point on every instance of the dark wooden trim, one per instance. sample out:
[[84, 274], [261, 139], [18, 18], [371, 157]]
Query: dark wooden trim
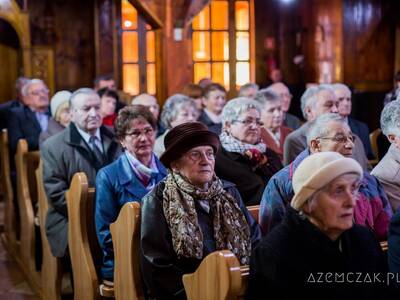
[[147, 14]]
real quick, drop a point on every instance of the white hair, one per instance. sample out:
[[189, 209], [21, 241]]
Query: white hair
[[390, 118], [309, 97], [318, 126], [235, 107], [28, 84]]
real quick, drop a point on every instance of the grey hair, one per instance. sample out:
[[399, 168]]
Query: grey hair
[[27, 85], [139, 97], [85, 91], [390, 118], [336, 86], [318, 126], [172, 107], [266, 95], [235, 107], [309, 97], [246, 87], [20, 82]]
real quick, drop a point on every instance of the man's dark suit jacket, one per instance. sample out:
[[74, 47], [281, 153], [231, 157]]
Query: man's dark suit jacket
[[22, 124], [361, 130], [5, 111]]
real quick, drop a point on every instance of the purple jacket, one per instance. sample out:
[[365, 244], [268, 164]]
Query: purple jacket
[[372, 209]]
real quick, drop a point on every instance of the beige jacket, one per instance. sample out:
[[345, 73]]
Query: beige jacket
[[388, 174]]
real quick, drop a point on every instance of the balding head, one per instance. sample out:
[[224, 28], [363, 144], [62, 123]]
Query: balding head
[[149, 101], [284, 93]]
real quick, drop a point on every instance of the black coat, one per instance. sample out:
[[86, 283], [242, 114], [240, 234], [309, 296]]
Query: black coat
[[236, 168], [296, 258], [214, 127], [5, 110], [22, 124], [162, 270]]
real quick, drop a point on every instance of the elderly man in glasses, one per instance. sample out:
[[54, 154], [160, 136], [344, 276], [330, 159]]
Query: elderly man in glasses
[[28, 121], [316, 101], [329, 132]]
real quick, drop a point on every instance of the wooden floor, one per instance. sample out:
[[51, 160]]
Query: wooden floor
[[12, 283]]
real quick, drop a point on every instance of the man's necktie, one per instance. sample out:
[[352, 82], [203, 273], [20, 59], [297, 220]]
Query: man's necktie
[[96, 151]]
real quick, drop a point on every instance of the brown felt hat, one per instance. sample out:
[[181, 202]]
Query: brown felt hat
[[184, 137]]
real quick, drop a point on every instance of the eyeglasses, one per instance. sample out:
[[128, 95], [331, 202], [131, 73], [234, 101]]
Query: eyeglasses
[[38, 92], [340, 138], [137, 133], [248, 122], [197, 155]]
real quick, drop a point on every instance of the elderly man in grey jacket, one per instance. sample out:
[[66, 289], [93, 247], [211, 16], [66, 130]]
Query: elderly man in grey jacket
[[388, 169], [84, 146], [316, 101]]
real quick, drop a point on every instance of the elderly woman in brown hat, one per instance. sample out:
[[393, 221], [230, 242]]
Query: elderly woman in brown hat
[[317, 251], [190, 214]]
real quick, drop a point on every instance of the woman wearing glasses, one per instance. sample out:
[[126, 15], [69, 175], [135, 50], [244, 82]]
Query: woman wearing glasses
[[127, 179], [243, 158], [190, 214]]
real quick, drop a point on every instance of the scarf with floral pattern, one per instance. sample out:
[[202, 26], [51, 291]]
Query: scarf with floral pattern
[[231, 230]]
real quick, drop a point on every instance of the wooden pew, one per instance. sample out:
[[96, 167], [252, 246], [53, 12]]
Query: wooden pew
[[253, 210], [82, 241], [51, 274], [26, 164], [219, 277], [9, 237], [373, 138], [125, 233]]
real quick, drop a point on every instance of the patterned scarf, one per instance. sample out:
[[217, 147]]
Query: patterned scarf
[[231, 230], [232, 144]]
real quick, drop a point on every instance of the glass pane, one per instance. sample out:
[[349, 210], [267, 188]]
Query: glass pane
[[242, 46], [130, 75], [202, 20], [242, 15], [220, 74], [219, 15], [129, 15], [201, 46], [201, 70], [150, 47], [242, 73], [220, 46], [151, 79], [130, 52]]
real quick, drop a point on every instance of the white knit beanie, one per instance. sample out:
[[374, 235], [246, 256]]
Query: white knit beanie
[[58, 99], [316, 171]]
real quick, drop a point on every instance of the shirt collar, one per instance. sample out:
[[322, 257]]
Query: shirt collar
[[86, 136]]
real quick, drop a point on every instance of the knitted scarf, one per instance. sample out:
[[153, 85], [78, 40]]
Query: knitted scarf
[[232, 144], [231, 230]]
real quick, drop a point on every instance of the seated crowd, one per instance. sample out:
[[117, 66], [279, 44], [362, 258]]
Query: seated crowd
[[196, 164]]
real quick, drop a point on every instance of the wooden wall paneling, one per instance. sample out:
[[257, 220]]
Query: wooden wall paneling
[[104, 28], [19, 20], [397, 51], [43, 66]]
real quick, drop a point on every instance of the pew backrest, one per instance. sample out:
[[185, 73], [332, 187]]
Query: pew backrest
[[51, 274], [125, 233], [83, 246], [10, 226], [26, 163], [219, 277]]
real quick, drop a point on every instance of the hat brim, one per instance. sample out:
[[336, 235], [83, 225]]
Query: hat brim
[[184, 144]]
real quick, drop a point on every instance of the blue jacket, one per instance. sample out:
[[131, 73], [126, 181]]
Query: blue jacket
[[394, 244], [116, 184], [372, 209], [361, 130]]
